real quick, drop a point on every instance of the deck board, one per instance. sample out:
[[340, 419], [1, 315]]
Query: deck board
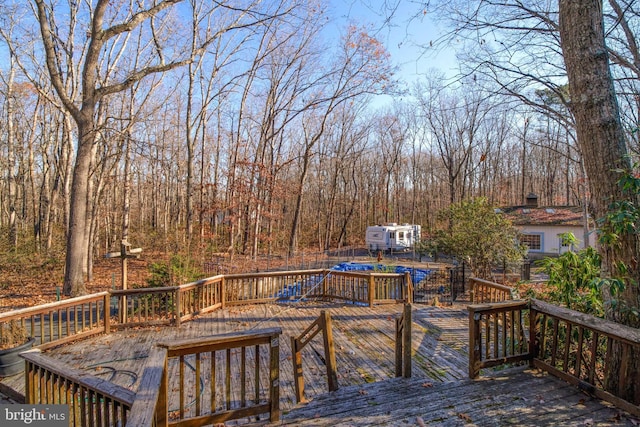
[[517, 397], [439, 391]]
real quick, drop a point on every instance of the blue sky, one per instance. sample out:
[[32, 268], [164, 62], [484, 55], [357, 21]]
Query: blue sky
[[401, 35]]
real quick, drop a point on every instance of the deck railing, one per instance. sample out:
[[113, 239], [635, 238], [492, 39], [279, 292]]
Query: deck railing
[[63, 321], [497, 335], [60, 322], [144, 306], [200, 297], [367, 287], [574, 346], [92, 401], [266, 287], [223, 378], [485, 291]]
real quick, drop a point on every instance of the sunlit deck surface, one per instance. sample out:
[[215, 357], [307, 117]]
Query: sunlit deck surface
[[439, 392]]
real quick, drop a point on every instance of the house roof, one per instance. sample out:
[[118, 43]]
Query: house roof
[[545, 215]]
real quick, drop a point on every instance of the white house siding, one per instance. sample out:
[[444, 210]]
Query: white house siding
[[549, 237]]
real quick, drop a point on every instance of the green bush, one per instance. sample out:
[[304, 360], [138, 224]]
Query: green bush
[[574, 279], [178, 271]]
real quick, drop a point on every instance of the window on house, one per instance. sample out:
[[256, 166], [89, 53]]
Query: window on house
[[392, 234], [401, 235], [533, 241]]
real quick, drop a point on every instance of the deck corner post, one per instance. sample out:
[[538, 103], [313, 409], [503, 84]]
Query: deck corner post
[[406, 341], [475, 353]]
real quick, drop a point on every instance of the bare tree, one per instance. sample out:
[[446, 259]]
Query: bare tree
[[9, 98], [362, 68], [107, 70]]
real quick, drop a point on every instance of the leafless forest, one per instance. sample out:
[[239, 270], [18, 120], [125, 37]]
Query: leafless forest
[[255, 128]]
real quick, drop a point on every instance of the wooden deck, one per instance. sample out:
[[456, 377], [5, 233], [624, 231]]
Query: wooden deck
[[438, 393]]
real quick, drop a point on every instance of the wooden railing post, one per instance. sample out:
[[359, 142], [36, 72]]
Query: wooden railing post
[[406, 341], [403, 343], [398, 346], [329, 351], [177, 305], [162, 408], [409, 287], [474, 343], [122, 308], [372, 289], [534, 345], [223, 292], [298, 378], [472, 291], [274, 379], [325, 280], [107, 313]]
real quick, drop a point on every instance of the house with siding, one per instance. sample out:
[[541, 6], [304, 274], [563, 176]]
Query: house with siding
[[541, 227]]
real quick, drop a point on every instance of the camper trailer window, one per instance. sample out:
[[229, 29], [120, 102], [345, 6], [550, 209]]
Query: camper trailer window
[[401, 235], [392, 234]]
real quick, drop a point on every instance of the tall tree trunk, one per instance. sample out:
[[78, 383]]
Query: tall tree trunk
[[601, 139], [77, 234], [11, 170]]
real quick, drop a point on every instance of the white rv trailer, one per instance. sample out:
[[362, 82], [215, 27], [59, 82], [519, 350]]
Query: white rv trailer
[[392, 237]]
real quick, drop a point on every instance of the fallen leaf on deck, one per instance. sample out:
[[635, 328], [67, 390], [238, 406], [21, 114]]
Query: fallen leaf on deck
[[427, 385], [363, 392], [465, 417]]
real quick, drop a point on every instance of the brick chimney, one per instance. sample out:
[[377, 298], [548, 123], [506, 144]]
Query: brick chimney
[[532, 200]]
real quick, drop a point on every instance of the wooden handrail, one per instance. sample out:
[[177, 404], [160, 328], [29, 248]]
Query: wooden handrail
[[63, 321], [150, 406], [46, 308], [605, 327], [49, 381], [573, 346], [272, 274]]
